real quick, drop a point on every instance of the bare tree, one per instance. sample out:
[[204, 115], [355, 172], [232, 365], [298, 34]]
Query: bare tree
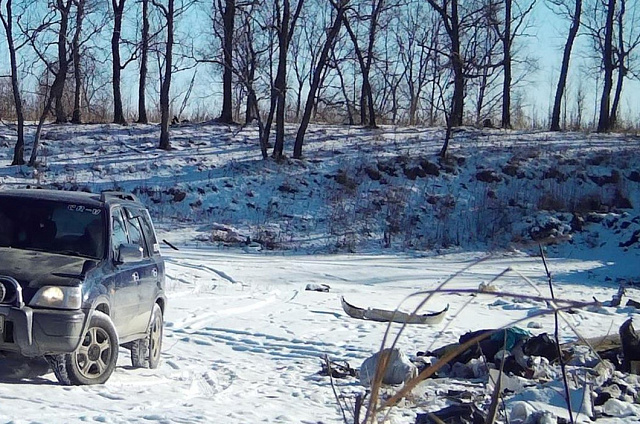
[[484, 48], [614, 34], [514, 19], [118, 10], [566, 57], [416, 50], [604, 120], [449, 15], [340, 6], [7, 22], [366, 58], [168, 15], [56, 21], [285, 21], [144, 59], [77, 70], [228, 12], [63, 7], [628, 39]]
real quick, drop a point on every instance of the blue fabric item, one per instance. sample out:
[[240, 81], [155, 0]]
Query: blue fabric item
[[513, 336]]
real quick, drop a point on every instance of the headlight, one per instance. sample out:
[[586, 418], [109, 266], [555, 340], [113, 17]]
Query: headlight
[[58, 297]]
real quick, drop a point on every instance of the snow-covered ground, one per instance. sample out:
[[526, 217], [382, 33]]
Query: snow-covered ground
[[244, 340], [373, 214]]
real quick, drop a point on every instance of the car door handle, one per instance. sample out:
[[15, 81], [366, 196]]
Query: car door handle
[[135, 276]]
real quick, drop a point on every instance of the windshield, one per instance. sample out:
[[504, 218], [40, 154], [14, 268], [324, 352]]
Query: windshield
[[52, 226]]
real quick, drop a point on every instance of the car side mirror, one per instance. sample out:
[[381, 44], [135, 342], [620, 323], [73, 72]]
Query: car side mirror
[[129, 253]]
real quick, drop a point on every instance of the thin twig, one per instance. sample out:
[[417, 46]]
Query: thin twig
[[333, 387], [497, 389], [563, 368]]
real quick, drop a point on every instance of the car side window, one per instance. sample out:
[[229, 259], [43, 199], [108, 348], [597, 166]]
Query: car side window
[[135, 235], [118, 231], [149, 233]]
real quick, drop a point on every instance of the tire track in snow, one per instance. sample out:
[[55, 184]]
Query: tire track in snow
[[280, 347], [201, 321], [219, 273]]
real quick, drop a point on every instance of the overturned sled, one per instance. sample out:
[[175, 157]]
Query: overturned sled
[[383, 315]]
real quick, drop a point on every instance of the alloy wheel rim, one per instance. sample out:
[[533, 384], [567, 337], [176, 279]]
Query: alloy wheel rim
[[94, 354], [155, 338]]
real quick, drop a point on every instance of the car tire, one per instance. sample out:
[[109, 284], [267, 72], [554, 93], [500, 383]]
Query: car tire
[[94, 360], [145, 352]]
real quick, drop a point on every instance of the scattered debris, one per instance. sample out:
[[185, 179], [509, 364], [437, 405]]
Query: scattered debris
[[487, 288], [337, 370], [318, 287], [464, 413], [630, 347], [382, 315]]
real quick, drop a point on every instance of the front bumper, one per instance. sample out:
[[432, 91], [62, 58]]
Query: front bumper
[[37, 332]]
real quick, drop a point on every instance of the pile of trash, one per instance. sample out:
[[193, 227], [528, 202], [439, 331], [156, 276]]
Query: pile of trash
[[534, 376]]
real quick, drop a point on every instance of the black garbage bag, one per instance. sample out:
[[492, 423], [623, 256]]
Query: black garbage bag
[[464, 413], [541, 345]]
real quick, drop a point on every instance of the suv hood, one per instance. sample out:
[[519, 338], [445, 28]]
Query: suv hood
[[36, 269]]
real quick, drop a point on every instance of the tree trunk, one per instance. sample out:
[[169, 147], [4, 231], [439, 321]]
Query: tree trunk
[[452, 26], [315, 84], [228, 18], [281, 80], [18, 151], [457, 102], [345, 94], [564, 70], [252, 101], [604, 121], [144, 53], [36, 138], [365, 93], [77, 72], [63, 61], [165, 88], [118, 113], [506, 52], [375, 15], [621, 55], [285, 33]]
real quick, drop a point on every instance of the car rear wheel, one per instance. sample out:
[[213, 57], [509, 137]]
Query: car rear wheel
[[94, 360], [145, 353]]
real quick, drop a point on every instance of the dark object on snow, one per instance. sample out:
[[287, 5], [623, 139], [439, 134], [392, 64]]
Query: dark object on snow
[[512, 367], [601, 399], [489, 346], [541, 345], [633, 303], [486, 123], [318, 287], [169, 244], [464, 413], [337, 370], [382, 315], [630, 345]]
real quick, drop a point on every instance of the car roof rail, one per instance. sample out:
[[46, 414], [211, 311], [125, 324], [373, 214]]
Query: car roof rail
[[104, 195]]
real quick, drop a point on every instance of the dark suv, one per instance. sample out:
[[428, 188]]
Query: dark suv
[[80, 274]]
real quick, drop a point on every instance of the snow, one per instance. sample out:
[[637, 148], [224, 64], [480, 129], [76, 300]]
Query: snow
[[244, 341]]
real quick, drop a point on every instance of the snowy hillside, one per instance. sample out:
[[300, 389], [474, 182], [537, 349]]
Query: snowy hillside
[[357, 189], [374, 215]]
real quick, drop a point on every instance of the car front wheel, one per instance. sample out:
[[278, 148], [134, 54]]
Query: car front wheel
[[145, 353], [94, 360]]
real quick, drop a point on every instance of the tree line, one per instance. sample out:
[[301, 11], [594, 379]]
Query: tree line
[[354, 61]]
